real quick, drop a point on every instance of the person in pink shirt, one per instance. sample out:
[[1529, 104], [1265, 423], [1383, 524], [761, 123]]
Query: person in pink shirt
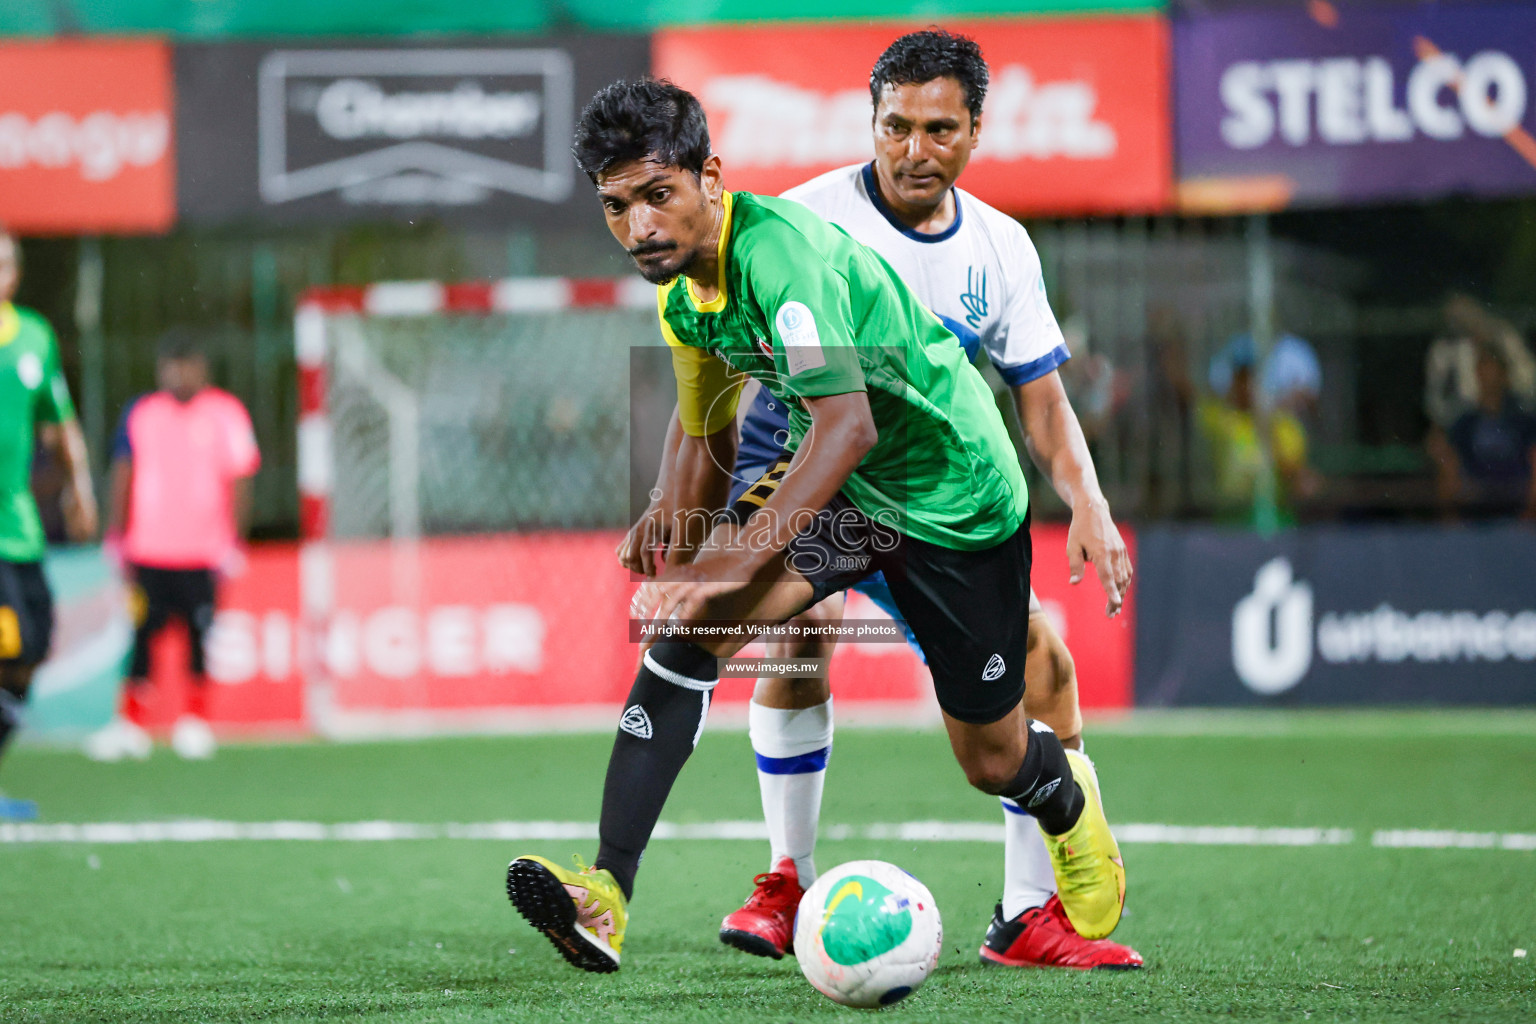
[[182, 463]]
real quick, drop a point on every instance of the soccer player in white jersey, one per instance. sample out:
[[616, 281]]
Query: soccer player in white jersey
[[976, 268]]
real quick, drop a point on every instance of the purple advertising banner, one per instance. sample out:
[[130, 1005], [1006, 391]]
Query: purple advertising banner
[[1327, 105]]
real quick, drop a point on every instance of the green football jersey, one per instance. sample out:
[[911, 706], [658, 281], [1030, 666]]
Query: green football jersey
[[808, 312], [32, 391]]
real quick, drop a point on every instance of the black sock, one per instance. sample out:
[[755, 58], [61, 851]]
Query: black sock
[[11, 708], [662, 722], [1044, 786]]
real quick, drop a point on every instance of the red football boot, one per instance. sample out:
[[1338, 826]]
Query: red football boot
[[765, 926], [1043, 937]]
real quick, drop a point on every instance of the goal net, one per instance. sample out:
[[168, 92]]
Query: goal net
[[458, 446]]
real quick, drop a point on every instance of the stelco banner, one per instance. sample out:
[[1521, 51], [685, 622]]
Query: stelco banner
[[1417, 615], [1358, 104], [478, 132], [1075, 119], [86, 137]]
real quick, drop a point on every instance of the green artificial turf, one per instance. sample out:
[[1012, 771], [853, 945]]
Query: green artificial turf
[[420, 930]]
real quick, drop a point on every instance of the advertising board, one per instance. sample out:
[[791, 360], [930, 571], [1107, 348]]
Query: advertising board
[[477, 132], [1075, 119], [1354, 104], [1358, 615], [86, 137]]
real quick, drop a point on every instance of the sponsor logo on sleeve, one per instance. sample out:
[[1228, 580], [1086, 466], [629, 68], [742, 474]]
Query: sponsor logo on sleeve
[[802, 342], [30, 369]]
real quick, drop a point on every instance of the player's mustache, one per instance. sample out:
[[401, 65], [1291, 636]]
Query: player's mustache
[[646, 248]]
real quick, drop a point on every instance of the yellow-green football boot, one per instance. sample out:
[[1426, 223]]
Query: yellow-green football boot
[[1090, 874], [582, 912]]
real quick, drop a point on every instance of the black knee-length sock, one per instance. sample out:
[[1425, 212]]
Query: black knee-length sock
[[661, 724]]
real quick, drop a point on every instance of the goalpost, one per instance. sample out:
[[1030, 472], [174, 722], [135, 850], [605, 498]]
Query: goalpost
[[443, 428]]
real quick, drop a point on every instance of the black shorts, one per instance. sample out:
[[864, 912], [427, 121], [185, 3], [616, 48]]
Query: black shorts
[[968, 609], [752, 486], [26, 613], [163, 594]]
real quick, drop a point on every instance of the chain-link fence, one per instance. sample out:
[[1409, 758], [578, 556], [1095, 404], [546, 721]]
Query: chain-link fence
[[450, 424], [1146, 305], [458, 422], [1123, 289]]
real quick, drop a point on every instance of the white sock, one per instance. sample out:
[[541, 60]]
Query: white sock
[[1028, 878], [792, 749]]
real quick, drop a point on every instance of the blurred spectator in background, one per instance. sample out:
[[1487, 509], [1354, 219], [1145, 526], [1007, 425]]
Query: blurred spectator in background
[[35, 409], [1292, 377], [1451, 382], [182, 463], [1230, 418], [1484, 460], [1096, 389], [1163, 394]]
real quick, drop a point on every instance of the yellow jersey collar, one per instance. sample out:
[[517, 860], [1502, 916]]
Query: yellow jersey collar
[[716, 304], [10, 323]]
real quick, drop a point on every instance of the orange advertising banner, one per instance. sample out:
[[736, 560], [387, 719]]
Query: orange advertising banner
[[86, 137], [1076, 118]]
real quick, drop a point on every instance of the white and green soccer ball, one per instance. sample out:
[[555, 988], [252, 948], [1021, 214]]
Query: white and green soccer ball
[[868, 934]]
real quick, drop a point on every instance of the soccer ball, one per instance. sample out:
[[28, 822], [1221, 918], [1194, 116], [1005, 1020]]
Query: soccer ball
[[867, 934]]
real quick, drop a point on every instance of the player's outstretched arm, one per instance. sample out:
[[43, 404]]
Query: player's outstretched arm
[[648, 535], [119, 487], [699, 487], [1056, 443], [68, 445], [842, 433]]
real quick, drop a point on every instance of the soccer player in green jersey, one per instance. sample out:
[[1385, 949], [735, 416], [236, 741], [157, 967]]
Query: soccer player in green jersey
[[901, 463], [34, 404]]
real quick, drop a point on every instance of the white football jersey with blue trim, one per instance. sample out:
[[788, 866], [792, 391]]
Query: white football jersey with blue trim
[[981, 276]]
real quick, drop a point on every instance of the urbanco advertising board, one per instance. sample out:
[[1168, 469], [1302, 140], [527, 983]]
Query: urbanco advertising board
[[478, 131], [1336, 615]]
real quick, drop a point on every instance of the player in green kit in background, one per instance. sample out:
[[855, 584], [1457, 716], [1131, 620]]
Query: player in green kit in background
[[34, 405], [900, 464]]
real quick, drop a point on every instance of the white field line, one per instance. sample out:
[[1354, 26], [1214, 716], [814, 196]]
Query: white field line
[[199, 830], [1233, 835], [1423, 839]]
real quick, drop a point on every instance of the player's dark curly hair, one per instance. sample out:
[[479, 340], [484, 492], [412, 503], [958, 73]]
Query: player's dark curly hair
[[919, 57], [640, 119]]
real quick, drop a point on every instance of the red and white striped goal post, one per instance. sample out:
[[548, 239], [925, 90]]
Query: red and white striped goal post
[[403, 299]]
